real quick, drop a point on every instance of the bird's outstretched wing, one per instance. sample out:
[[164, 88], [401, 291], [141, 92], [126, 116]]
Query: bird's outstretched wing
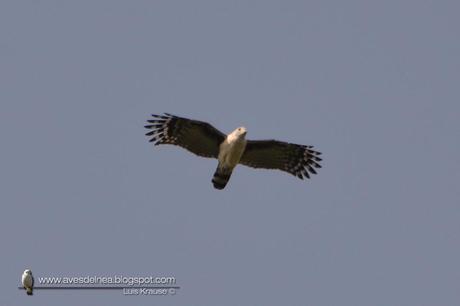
[[198, 137], [295, 159]]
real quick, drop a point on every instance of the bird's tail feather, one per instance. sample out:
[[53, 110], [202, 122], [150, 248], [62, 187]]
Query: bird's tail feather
[[221, 177], [29, 291]]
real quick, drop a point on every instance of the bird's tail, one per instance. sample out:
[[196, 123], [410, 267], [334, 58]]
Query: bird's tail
[[29, 291], [221, 176]]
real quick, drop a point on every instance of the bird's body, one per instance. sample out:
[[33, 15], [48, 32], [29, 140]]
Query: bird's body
[[230, 152], [232, 148], [204, 140], [28, 281]]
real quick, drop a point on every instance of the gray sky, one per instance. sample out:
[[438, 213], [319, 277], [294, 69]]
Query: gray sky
[[374, 85]]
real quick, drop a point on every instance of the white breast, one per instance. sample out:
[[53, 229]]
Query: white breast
[[27, 280], [231, 151]]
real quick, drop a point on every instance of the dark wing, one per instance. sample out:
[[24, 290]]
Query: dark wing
[[295, 159], [198, 137]]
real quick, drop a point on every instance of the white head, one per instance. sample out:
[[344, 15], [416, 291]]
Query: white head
[[240, 132], [27, 271]]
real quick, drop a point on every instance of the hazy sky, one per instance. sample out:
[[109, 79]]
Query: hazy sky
[[374, 85]]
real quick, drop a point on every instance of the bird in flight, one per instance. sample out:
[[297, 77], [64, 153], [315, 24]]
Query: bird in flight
[[204, 140]]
